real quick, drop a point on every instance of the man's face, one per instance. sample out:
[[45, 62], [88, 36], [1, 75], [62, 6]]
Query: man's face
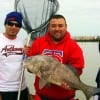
[[57, 29], [12, 28]]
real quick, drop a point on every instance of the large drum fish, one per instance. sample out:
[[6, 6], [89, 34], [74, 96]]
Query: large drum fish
[[51, 71]]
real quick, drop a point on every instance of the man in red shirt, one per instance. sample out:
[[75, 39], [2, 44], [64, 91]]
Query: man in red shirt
[[58, 44]]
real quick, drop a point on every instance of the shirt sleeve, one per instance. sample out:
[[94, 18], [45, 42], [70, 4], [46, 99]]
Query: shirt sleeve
[[76, 58]]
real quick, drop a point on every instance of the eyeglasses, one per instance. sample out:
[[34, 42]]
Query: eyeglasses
[[9, 23]]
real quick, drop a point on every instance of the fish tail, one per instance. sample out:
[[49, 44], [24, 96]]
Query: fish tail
[[90, 91], [96, 91]]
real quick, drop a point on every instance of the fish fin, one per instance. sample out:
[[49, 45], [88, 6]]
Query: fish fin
[[96, 91], [89, 91], [42, 83], [73, 70]]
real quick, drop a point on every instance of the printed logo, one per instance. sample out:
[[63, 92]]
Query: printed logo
[[57, 54], [11, 50]]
